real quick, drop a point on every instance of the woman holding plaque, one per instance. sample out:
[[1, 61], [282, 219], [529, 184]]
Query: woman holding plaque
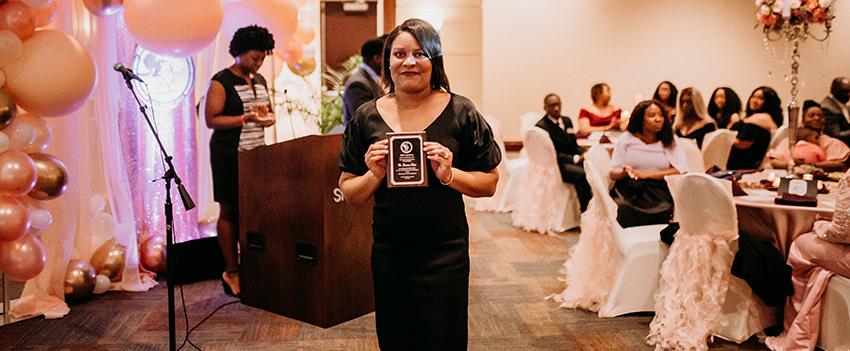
[[420, 251], [237, 109]]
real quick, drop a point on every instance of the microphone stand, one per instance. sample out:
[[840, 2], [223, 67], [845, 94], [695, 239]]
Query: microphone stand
[[169, 176]]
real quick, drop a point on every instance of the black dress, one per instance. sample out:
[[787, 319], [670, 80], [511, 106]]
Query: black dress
[[420, 252], [749, 158], [698, 134], [224, 143]]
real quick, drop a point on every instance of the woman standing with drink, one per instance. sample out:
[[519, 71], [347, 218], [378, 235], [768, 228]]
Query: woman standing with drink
[[420, 252]]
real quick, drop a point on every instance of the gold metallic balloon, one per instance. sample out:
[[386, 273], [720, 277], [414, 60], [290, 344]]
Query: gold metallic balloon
[[108, 260], [153, 254], [79, 281], [304, 67], [52, 177], [104, 7], [8, 109]]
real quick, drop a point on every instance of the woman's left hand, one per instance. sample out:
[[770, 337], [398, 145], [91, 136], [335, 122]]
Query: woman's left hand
[[441, 160]]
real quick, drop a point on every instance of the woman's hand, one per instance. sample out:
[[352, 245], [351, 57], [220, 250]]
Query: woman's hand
[[376, 158], [441, 160], [621, 173], [259, 115]]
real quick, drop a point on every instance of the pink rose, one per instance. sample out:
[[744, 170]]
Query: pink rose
[[811, 5]]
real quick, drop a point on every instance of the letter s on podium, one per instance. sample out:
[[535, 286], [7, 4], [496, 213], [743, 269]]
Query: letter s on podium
[[338, 197]]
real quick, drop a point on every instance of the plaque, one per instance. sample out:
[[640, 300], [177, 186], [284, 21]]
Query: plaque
[[406, 163]]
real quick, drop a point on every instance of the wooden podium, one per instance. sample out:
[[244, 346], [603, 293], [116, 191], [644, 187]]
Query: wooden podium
[[305, 253]]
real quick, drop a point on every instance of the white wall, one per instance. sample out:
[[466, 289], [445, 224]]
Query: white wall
[[460, 35], [531, 48]]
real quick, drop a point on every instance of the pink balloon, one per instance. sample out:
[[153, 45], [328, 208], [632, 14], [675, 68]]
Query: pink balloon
[[44, 15], [280, 17], [14, 219], [54, 77], [174, 28], [17, 172], [22, 259], [292, 52], [17, 17]]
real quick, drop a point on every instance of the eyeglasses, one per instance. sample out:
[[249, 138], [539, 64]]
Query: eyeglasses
[[417, 57]]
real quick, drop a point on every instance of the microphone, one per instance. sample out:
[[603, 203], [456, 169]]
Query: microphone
[[126, 72]]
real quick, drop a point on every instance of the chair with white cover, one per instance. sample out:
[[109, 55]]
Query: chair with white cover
[[497, 202], [835, 315], [595, 259], [613, 269], [778, 136], [692, 155], [545, 204], [697, 296], [716, 146]]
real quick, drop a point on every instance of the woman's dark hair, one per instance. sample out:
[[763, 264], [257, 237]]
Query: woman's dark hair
[[671, 100], [732, 106], [809, 104], [249, 38], [636, 122], [429, 40], [596, 90], [772, 104]]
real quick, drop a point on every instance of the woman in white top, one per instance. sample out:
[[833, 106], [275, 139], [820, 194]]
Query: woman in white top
[[643, 155]]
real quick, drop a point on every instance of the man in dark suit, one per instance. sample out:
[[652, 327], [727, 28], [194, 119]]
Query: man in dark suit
[[365, 83], [835, 111], [570, 161]]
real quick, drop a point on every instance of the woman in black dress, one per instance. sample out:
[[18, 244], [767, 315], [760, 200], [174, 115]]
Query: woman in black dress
[[666, 93], [724, 106], [764, 115], [237, 108], [692, 119], [420, 252]]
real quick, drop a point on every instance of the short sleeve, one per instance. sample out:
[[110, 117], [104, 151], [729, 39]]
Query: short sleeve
[[353, 149], [619, 154], [480, 151]]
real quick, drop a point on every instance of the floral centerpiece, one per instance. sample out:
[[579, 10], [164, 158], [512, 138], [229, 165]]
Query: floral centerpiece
[[774, 14]]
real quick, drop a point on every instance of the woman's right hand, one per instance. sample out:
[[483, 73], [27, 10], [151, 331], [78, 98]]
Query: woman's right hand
[[376, 158]]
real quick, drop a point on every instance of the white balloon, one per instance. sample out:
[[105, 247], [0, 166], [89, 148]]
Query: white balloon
[[96, 204], [4, 142], [102, 227], [40, 218], [101, 284]]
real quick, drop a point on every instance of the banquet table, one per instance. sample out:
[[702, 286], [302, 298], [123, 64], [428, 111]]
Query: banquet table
[[759, 216]]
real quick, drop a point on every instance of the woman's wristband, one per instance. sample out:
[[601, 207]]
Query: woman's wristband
[[451, 177]]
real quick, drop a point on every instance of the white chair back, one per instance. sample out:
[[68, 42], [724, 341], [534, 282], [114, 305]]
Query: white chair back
[[545, 204], [597, 166], [716, 146], [704, 205], [780, 134], [692, 154], [528, 120], [695, 275]]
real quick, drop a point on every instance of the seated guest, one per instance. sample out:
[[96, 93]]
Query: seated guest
[[666, 93], [807, 149], [724, 106], [835, 152], [835, 110], [643, 155], [570, 162], [601, 115], [692, 119], [814, 258], [764, 109]]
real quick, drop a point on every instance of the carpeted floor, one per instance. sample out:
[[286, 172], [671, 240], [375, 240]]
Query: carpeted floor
[[512, 273]]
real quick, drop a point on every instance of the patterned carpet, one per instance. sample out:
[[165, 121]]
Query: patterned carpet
[[512, 273]]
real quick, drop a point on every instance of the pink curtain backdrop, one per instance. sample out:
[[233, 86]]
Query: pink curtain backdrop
[[109, 151]]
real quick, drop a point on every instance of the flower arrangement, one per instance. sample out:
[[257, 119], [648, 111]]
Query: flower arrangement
[[774, 14]]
